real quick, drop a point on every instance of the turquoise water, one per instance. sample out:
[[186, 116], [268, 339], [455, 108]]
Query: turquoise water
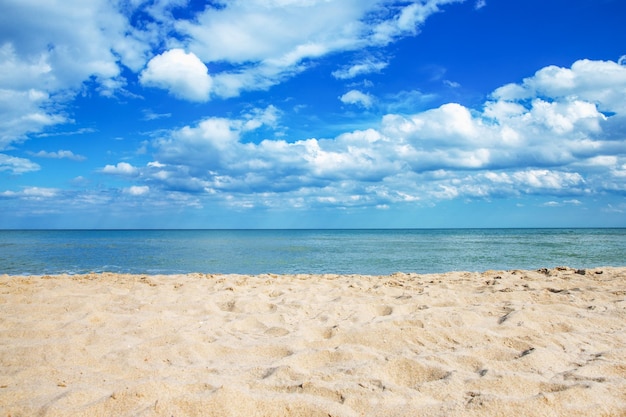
[[306, 251]]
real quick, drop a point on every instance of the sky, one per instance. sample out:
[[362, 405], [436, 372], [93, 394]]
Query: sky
[[312, 113]]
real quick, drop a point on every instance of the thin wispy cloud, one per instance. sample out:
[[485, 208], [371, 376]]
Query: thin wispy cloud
[[61, 154], [367, 66], [149, 115]]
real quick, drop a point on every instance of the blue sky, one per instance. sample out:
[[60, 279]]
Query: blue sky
[[312, 113]]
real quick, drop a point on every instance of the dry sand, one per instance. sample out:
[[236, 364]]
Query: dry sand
[[534, 343]]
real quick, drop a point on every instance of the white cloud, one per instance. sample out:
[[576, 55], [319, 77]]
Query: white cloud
[[553, 145], [451, 84], [126, 203], [61, 50], [23, 74], [214, 142], [269, 41], [61, 154], [150, 115], [257, 117], [24, 112], [407, 22], [358, 98], [255, 31], [46, 61], [39, 192], [32, 193], [54, 48], [137, 190], [122, 168], [558, 131], [366, 66], [407, 101], [49, 49], [562, 203], [546, 179], [17, 165], [181, 73], [599, 82], [81, 131], [480, 4], [603, 161]]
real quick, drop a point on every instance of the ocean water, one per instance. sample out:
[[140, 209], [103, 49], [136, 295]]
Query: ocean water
[[374, 252]]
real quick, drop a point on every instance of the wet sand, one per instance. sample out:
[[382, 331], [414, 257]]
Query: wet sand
[[525, 343]]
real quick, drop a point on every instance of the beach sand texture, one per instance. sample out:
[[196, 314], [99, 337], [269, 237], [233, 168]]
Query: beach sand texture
[[498, 343]]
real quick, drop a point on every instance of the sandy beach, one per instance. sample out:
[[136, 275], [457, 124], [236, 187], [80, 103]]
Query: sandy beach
[[550, 342]]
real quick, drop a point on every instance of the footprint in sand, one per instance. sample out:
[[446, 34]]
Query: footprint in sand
[[228, 306], [277, 331], [384, 310], [409, 373]]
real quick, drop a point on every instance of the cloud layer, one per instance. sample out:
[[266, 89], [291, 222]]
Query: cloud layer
[[268, 41], [557, 133], [548, 135], [45, 62], [181, 73]]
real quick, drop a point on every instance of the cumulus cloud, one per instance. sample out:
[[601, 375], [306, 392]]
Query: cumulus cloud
[[558, 132], [17, 165], [60, 51], [48, 50], [25, 112], [358, 98], [122, 168], [179, 72], [214, 142], [269, 41], [44, 63], [598, 82], [516, 144]]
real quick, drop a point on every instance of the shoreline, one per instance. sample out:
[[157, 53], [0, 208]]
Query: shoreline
[[302, 275], [518, 342]]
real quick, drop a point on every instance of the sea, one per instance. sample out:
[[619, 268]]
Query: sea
[[363, 251]]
